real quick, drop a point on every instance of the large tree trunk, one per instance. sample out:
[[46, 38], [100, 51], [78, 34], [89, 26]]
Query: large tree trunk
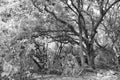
[[80, 25], [81, 51], [92, 64], [91, 56]]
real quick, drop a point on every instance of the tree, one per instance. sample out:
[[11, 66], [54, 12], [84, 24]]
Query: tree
[[29, 25], [82, 23]]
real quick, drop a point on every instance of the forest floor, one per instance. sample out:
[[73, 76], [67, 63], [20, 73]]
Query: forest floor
[[100, 75]]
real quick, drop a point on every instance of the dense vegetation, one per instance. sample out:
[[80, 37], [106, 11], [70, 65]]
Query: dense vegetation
[[58, 37]]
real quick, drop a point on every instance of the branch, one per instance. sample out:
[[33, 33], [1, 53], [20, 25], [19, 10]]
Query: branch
[[86, 34], [70, 8], [62, 21], [111, 6], [81, 24], [74, 6], [74, 20], [35, 61], [88, 6], [52, 13], [81, 20], [101, 19], [89, 16], [52, 31], [72, 40]]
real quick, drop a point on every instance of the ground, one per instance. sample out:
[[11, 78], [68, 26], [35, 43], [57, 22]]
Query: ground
[[100, 75]]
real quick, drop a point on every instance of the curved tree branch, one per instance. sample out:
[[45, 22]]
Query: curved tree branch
[[101, 19]]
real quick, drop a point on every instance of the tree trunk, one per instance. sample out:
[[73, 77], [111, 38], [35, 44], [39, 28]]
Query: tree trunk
[[92, 64], [91, 56], [81, 52], [80, 25]]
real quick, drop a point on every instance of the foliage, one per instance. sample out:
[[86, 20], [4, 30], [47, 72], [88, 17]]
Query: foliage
[[56, 36]]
